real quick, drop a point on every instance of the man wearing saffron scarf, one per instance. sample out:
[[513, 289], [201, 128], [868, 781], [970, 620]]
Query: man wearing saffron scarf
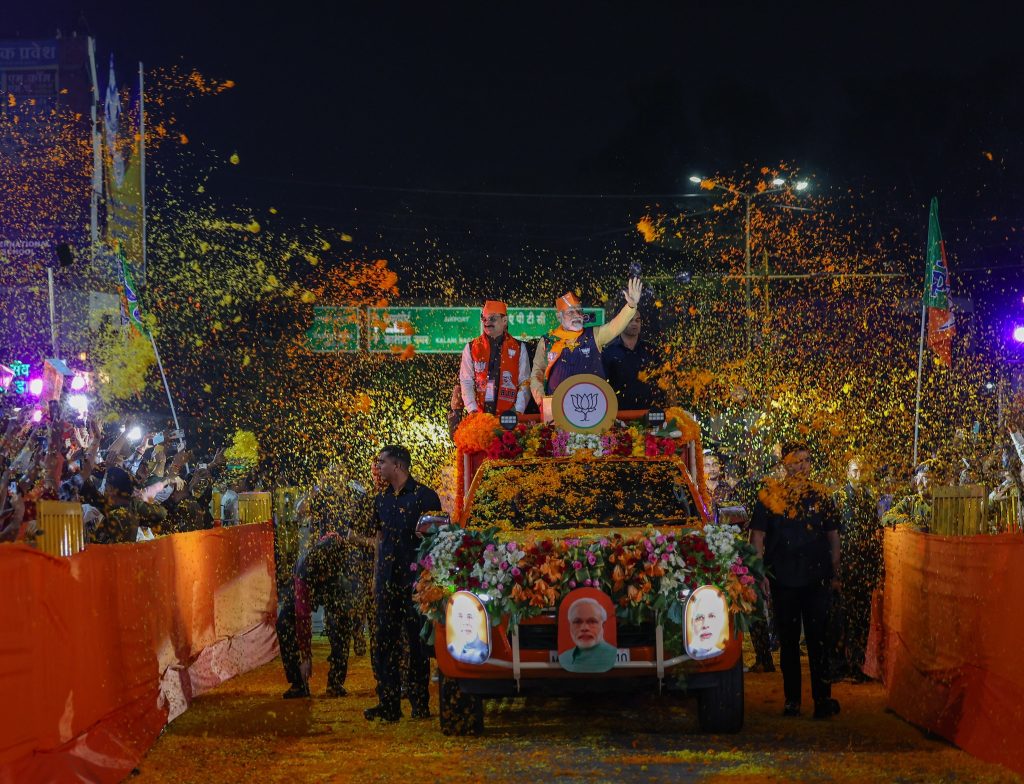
[[495, 369], [571, 349]]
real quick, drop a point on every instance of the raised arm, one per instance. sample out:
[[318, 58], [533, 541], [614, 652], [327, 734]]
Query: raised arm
[[606, 333]]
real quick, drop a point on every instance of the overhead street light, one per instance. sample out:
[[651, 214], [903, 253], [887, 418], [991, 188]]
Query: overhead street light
[[778, 185]]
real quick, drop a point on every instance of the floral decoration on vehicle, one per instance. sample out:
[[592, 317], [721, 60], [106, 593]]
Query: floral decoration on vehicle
[[649, 576]]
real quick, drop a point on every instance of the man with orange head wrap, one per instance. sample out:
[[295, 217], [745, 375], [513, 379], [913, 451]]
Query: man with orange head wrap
[[495, 369], [571, 349]]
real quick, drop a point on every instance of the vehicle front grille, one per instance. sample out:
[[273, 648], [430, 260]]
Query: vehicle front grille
[[544, 636]]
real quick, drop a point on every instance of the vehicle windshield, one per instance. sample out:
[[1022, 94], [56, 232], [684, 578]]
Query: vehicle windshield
[[554, 493]]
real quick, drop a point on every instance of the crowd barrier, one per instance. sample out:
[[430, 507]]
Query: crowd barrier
[[99, 650], [61, 529], [946, 639]]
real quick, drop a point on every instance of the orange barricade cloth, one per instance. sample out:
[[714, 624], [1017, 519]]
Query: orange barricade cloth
[[100, 650], [949, 641]]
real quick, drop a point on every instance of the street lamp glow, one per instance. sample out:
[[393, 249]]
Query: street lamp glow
[[1018, 333], [779, 181], [80, 403], [135, 434], [37, 415], [802, 185], [35, 386], [696, 179], [78, 383]]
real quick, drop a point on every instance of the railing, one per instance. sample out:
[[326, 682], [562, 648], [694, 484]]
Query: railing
[[61, 526], [255, 508], [969, 510], [1004, 514], [959, 511]]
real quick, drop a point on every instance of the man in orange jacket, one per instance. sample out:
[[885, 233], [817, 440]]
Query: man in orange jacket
[[495, 370]]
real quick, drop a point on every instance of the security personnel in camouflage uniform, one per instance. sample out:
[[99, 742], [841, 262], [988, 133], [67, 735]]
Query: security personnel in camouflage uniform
[[122, 513]]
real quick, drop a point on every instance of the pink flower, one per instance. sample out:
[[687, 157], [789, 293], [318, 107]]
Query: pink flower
[[652, 558], [603, 542], [587, 582], [516, 571], [489, 548], [665, 556], [746, 579], [577, 565], [412, 567], [572, 583], [591, 559], [660, 540], [504, 566]]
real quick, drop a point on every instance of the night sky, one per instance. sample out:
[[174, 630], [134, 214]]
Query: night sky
[[366, 117]]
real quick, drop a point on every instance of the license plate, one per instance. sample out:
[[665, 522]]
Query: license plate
[[621, 656]]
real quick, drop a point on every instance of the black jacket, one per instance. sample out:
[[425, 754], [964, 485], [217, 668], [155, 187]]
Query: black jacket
[[396, 516]]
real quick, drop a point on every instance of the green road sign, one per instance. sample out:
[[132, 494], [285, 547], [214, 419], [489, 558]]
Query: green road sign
[[334, 329], [448, 330]]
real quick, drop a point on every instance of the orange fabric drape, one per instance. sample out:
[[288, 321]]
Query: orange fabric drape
[[947, 639], [99, 650]]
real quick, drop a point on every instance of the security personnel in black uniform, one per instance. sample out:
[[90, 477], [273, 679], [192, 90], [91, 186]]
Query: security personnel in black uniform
[[397, 511]]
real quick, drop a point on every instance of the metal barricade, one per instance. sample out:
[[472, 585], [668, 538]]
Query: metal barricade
[[254, 508], [61, 526], [1005, 513], [215, 510], [959, 511]]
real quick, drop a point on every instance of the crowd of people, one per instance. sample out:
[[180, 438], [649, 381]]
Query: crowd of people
[[131, 484]]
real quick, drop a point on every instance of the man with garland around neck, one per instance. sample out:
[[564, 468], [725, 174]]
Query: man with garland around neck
[[795, 529], [495, 368], [572, 349]]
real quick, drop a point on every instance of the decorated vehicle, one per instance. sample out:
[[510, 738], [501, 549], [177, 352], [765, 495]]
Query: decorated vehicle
[[583, 557]]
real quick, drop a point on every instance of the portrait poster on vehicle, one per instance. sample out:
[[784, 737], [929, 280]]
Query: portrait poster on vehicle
[[467, 629], [586, 631], [706, 623]]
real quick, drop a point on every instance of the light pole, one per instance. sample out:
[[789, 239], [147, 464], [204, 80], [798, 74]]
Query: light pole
[[778, 185]]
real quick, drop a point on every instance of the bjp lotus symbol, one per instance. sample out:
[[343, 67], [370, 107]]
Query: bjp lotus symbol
[[584, 403]]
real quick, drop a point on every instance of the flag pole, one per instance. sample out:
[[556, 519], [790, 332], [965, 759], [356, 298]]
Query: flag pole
[[167, 389], [142, 199], [920, 368], [97, 158], [142, 171]]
